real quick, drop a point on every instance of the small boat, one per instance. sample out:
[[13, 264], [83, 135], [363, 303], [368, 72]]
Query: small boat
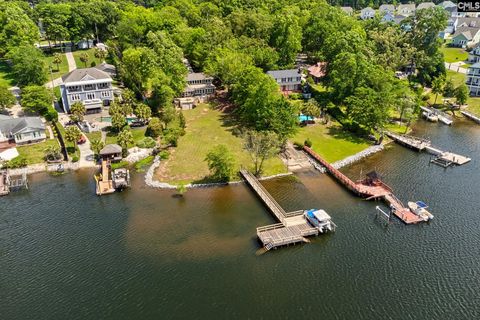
[[319, 219], [420, 209], [430, 116]]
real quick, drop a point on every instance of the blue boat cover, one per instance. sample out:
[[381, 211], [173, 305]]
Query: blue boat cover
[[310, 213], [422, 204]]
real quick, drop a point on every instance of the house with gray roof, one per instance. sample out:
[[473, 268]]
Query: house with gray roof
[[447, 4], [466, 32], [367, 13], [406, 9], [288, 80], [347, 10], [425, 5], [384, 8], [90, 86], [23, 130], [198, 85]]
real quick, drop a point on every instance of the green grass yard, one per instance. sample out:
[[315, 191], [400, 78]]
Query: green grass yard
[[206, 129], [331, 141], [91, 55], [452, 54], [6, 77], [137, 133], [34, 153], [57, 71]]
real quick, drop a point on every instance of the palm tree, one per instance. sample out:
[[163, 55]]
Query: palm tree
[[84, 58], [125, 138], [100, 54], [73, 134], [57, 59], [96, 145], [52, 153], [77, 110]]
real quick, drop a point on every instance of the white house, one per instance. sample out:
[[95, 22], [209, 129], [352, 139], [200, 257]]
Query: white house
[[288, 80], [90, 86], [406, 9], [367, 13], [198, 85], [474, 55], [473, 79], [22, 130], [388, 17]]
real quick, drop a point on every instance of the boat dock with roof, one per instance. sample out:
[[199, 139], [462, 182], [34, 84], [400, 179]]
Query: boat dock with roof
[[294, 226], [442, 158], [370, 188]]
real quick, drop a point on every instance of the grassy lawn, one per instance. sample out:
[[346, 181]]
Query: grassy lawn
[[6, 78], [34, 153], [94, 135], [206, 129], [137, 133], [331, 141], [454, 54], [91, 58], [56, 71]]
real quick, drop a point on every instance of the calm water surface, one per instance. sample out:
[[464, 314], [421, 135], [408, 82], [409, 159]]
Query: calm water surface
[[144, 254]]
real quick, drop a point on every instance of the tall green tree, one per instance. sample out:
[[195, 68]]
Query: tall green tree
[[84, 57], [221, 163], [142, 111], [57, 59], [7, 99], [438, 84], [28, 66], [125, 138], [261, 145], [461, 94], [77, 111], [36, 99], [72, 135]]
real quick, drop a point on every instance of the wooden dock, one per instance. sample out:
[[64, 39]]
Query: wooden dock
[[442, 116], [471, 116], [412, 142], [370, 188], [12, 182], [104, 183], [4, 183], [293, 227], [442, 158]]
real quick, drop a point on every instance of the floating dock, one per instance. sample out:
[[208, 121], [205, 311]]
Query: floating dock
[[471, 116], [442, 116], [442, 158], [370, 188], [293, 227]]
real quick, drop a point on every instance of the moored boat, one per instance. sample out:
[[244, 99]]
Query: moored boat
[[420, 209], [320, 219], [430, 116]]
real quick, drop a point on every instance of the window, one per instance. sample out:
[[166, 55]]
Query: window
[[284, 79], [105, 94], [75, 97], [89, 87], [90, 96]]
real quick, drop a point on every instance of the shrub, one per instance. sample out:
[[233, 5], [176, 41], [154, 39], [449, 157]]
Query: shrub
[[93, 64], [164, 155], [51, 114], [297, 145], [146, 142], [75, 159], [308, 143], [17, 162]]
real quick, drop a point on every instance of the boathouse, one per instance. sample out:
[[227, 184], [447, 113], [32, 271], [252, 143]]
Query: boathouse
[[111, 152]]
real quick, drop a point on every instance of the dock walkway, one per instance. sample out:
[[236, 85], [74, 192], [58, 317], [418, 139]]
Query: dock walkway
[[442, 116], [293, 227], [376, 190], [471, 116], [442, 158]]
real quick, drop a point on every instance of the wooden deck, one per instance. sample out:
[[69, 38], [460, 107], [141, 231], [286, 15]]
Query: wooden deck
[[415, 143], [4, 183], [104, 182], [379, 190], [293, 227]]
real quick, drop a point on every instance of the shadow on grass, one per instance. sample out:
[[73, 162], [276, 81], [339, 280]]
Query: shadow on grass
[[340, 133]]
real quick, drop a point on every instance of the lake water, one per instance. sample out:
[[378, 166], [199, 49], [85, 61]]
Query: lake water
[[144, 254]]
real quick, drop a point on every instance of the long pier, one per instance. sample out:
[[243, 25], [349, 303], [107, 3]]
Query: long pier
[[293, 227], [471, 116], [370, 188], [442, 158]]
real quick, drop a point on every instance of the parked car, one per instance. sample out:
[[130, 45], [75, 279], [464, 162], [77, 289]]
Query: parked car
[[82, 140]]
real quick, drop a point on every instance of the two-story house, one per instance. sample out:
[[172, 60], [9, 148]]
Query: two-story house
[[367, 13], [384, 8], [22, 130], [90, 86], [474, 55], [466, 32], [473, 79], [406, 9], [198, 85], [288, 80]]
